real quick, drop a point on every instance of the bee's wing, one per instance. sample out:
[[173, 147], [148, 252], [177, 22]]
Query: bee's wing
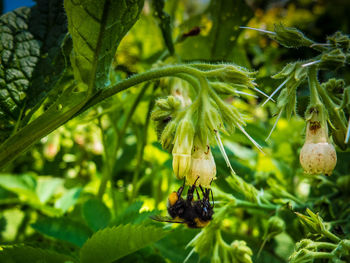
[[166, 219]]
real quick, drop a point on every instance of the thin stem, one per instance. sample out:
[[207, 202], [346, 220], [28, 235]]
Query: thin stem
[[121, 134], [337, 116], [331, 236], [319, 255], [141, 152], [322, 245], [107, 171], [250, 205]]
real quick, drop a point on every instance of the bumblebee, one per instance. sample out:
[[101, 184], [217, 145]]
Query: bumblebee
[[194, 213]]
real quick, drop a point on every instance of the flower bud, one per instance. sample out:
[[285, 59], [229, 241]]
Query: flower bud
[[275, 226], [167, 135], [183, 148], [318, 155], [241, 252], [202, 166], [333, 59], [343, 183]]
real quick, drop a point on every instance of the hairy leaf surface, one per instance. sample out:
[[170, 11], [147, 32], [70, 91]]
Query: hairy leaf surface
[[113, 243], [31, 59], [219, 30], [97, 27]]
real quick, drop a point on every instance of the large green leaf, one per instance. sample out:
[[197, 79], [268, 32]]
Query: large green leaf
[[63, 229], [96, 214], [25, 254], [222, 19], [68, 199], [31, 59], [97, 27], [113, 243]]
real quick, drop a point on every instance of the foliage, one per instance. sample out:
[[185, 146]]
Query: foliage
[[105, 105]]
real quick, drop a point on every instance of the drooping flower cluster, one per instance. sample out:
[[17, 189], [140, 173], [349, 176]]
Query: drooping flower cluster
[[187, 123]]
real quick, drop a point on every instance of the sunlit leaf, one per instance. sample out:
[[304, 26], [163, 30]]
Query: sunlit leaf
[[97, 27], [219, 30], [132, 215], [19, 184], [68, 199], [47, 187], [113, 243]]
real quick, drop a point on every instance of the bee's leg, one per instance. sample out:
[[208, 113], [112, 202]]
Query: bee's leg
[[212, 197], [198, 196], [179, 192], [204, 194], [190, 192]]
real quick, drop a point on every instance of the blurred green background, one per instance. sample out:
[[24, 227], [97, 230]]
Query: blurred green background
[[45, 193]]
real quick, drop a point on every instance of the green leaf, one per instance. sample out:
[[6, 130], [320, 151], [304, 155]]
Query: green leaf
[[113, 243], [145, 255], [20, 184], [68, 199], [47, 187], [132, 214], [173, 246], [63, 229], [96, 214], [25, 254], [97, 27], [31, 60], [222, 19]]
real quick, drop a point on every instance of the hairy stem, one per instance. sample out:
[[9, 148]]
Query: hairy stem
[[139, 78], [314, 97]]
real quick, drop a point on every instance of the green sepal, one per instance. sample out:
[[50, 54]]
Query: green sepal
[[290, 37], [339, 40], [333, 60]]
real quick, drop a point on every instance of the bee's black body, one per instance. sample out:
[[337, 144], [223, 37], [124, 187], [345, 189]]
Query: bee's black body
[[194, 214]]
